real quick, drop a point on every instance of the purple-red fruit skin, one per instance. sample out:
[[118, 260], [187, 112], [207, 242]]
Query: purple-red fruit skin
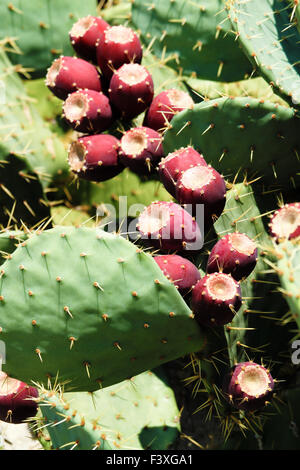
[[69, 74], [174, 164], [85, 34], [210, 307], [234, 254], [180, 271], [141, 150], [252, 396], [118, 45], [167, 226], [95, 157], [92, 116], [285, 222], [17, 400], [131, 98], [202, 185], [164, 107]]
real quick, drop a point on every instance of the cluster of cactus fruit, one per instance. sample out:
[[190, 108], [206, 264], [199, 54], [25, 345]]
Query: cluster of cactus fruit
[[84, 330]]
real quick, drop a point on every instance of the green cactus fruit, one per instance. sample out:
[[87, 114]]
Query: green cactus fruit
[[208, 49], [271, 41], [136, 414], [89, 307], [241, 134], [40, 29]]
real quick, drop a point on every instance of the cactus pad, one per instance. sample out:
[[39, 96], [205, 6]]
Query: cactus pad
[[89, 307], [132, 415]]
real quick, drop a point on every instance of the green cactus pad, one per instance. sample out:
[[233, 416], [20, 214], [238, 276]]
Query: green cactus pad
[[288, 270], [241, 134], [107, 194], [241, 214], [40, 29], [31, 156], [198, 36], [89, 307], [271, 42], [135, 414]]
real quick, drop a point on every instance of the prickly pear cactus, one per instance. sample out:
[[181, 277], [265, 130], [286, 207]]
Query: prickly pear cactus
[[241, 214], [39, 29], [32, 157], [268, 34], [241, 134], [209, 48], [136, 414], [90, 307], [9, 240], [288, 270]]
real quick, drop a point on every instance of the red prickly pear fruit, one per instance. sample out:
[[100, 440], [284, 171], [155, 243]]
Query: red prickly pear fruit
[[69, 74], [167, 226], [141, 150], [131, 90], [180, 271], [95, 157], [87, 111], [118, 45], [234, 254], [215, 299], [171, 167], [202, 185], [164, 106], [85, 34], [285, 222], [17, 400], [249, 386]]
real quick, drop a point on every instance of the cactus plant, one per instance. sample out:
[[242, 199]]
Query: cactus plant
[[252, 135], [208, 50], [277, 59], [140, 413], [63, 288], [103, 264], [39, 30], [31, 155]]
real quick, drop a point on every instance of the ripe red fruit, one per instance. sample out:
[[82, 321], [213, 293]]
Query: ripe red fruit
[[182, 272], [141, 150], [85, 34], [69, 74], [95, 157], [118, 45], [285, 222], [249, 386], [131, 90], [88, 111], [234, 254], [164, 106], [174, 164], [202, 185], [16, 400], [167, 226], [216, 298]]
